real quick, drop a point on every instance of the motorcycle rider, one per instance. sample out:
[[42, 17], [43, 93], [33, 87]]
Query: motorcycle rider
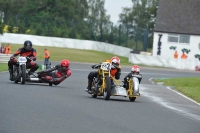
[[56, 74], [135, 71], [26, 51], [115, 71]]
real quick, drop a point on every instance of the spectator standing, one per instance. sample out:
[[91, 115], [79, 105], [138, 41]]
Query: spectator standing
[[2, 48], [7, 49], [46, 57], [176, 55], [183, 56]]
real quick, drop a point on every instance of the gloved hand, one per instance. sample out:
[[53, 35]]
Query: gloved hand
[[95, 66], [32, 58], [12, 57]]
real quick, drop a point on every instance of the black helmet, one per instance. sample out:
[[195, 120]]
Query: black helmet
[[28, 45]]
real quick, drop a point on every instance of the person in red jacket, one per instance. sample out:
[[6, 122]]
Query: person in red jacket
[[57, 74], [115, 72], [26, 51]]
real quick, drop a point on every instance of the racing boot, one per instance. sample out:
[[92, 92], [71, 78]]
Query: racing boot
[[89, 87]]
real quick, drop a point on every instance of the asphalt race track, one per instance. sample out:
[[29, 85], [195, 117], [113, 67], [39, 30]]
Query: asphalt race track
[[67, 108]]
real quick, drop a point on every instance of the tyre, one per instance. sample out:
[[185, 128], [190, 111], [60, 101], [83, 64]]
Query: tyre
[[50, 84], [94, 95], [23, 74], [132, 99], [15, 74], [107, 89]]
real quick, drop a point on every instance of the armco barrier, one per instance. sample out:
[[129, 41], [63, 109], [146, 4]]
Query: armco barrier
[[4, 58], [145, 59]]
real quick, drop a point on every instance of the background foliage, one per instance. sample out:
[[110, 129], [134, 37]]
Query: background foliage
[[81, 19]]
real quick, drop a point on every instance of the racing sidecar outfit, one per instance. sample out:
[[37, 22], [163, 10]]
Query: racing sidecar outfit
[[115, 72], [55, 75], [33, 66]]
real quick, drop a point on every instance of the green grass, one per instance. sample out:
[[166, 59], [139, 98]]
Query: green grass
[[3, 67], [73, 55], [187, 86]]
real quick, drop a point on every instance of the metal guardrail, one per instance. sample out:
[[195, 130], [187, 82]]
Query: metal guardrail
[[4, 58]]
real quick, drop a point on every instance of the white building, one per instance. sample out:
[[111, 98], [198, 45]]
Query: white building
[[178, 21]]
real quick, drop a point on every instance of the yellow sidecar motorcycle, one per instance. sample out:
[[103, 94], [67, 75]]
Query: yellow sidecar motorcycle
[[101, 85]]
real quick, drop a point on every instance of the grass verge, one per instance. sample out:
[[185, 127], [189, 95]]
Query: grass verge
[[187, 86], [3, 67], [73, 55]]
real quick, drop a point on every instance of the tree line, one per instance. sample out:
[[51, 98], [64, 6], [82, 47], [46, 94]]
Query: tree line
[[80, 19]]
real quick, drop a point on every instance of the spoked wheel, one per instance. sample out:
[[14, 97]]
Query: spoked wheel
[[132, 99], [107, 89]]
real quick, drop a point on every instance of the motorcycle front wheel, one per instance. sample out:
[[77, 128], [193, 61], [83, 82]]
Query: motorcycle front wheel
[[15, 74], [107, 89], [23, 74]]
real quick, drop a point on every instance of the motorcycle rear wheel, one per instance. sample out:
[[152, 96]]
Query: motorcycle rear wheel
[[94, 95]]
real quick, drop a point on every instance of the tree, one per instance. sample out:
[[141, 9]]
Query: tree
[[97, 18], [139, 17]]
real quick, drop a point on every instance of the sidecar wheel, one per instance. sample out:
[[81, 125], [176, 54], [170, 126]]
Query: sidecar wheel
[[132, 99], [50, 84], [107, 89], [94, 95]]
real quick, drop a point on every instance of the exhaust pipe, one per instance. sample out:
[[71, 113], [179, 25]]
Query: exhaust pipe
[[37, 80], [34, 79]]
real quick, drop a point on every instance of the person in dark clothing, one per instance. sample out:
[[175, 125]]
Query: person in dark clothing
[[135, 71], [57, 74], [26, 51]]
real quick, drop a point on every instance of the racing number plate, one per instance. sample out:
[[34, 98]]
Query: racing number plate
[[106, 66], [22, 59]]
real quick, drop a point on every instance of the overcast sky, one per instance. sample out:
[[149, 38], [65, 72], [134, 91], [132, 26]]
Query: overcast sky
[[114, 8]]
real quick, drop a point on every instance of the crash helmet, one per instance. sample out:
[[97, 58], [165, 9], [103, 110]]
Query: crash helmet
[[115, 61], [65, 63], [27, 45], [135, 69]]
